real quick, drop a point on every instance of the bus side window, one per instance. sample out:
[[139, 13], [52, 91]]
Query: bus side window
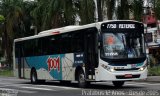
[[27, 48], [18, 50], [54, 44], [49, 45], [44, 45], [78, 42], [66, 43], [37, 47]]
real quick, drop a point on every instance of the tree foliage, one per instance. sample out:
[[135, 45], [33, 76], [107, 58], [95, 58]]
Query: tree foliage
[[157, 8], [86, 9], [2, 18], [137, 9], [17, 16], [13, 25], [53, 13], [110, 8]]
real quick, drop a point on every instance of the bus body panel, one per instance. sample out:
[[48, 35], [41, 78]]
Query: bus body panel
[[51, 67]]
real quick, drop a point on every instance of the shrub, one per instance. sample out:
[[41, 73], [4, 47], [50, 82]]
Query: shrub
[[154, 71]]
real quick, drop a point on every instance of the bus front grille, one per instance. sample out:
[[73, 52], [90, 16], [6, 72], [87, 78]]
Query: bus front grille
[[132, 69], [124, 77]]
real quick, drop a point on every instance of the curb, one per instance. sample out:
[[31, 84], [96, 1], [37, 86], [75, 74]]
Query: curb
[[153, 79]]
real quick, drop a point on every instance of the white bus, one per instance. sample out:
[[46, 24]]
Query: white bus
[[103, 51]]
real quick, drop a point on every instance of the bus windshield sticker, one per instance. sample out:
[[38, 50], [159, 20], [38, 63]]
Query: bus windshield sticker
[[111, 54], [110, 40]]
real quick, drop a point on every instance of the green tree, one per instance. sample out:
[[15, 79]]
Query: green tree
[[157, 7], [13, 14], [53, 13], [86, 9], [68, 12], [123, 10], [137, 9], [110, 8], [2, 19], [100, 7]]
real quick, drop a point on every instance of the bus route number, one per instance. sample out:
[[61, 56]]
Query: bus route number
[[111, 26]]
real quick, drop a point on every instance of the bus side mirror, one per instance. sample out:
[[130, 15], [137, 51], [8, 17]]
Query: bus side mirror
[[99, 41], [99, 38], [99, 46]]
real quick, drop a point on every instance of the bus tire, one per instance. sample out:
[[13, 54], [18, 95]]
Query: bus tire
[[81, 79], [33, 78], [118, 83]]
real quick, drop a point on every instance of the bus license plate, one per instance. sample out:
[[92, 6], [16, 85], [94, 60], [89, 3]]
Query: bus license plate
[[128, 75]]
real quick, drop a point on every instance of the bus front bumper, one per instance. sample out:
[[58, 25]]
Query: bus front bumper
[[102, 74]]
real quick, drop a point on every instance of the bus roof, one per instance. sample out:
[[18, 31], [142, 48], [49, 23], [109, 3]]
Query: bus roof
[[56, 31], [59, 29], [65, 30]]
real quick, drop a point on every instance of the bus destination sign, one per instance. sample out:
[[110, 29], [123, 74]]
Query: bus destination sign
[[120, 26]]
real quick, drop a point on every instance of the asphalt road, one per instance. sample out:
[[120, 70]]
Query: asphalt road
[[11, 86]]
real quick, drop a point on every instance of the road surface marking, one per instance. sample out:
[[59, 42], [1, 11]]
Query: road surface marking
[[47, 89], [25, 91], [2, 83], [7, 89], [16, 91], [135, 83], [14, 85], [50, 86]]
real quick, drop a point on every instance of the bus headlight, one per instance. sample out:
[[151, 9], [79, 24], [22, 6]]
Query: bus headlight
[[142, 68], [108, 68], [112, 69]]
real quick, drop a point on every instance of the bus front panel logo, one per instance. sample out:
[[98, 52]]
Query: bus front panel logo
[[53, 63]]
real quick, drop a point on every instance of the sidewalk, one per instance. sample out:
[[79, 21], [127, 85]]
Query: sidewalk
[[155, 79]]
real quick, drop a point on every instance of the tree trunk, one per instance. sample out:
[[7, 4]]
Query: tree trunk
[[99, 7], [110, 8], [7, 47]]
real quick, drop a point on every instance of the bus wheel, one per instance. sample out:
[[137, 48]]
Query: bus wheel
[[81, 79], [34, 77], [118, 83]]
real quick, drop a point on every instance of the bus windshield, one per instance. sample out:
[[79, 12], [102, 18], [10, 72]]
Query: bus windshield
[[123, 45]]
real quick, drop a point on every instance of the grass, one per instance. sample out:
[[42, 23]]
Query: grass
[[154, 71], [6, 72]]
